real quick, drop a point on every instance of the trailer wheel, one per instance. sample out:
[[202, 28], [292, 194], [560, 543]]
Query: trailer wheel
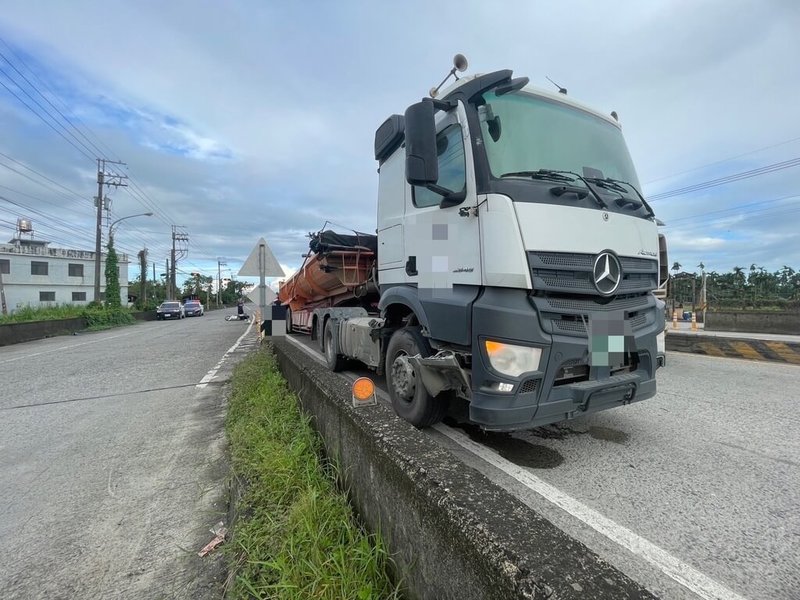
[[336, 362], [289, 321], [410, 399]]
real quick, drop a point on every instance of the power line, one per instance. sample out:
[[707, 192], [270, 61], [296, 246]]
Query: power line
[[47, 223], [55, 96], [769, 212], [146, 202], [137, 193], [32, 170], [63, 116], [732, 209], [61, 206], [45, 121], [724, 160], [794, 162]]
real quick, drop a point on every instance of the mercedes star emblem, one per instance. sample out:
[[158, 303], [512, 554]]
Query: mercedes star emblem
[[607, 273]]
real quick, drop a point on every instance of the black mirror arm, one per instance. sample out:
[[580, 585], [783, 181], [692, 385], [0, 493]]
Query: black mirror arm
[[442, 104], [437, 189], [450, 198]]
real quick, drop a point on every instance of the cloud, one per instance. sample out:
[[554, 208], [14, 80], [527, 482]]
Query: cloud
[[257, 119]]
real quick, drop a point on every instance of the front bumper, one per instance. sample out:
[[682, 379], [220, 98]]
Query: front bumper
[[539, 398]]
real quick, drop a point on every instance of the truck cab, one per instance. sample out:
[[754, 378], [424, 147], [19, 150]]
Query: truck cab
[[517, 255]]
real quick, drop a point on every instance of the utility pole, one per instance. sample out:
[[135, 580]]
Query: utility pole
[[220, 262], [143, 283], [177, 253], [3, 293], [704, 297], [103, 179]]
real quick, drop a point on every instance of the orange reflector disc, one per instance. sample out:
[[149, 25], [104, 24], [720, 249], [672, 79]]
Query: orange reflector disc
[[363, 388]]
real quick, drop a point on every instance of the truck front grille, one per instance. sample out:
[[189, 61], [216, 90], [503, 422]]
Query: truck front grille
[[572, 273]]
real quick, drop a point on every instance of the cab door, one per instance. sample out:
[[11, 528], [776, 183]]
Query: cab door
[[442, 245]]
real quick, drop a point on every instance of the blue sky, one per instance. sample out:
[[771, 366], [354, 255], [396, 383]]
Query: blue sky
[[252, 118]]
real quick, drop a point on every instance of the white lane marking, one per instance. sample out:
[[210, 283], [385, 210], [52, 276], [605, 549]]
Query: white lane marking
[[316, 356], [687, 576], [69, 347], [208, 377]]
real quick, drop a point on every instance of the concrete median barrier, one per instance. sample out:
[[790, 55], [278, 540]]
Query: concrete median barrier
[[452, 532], [16, 333]]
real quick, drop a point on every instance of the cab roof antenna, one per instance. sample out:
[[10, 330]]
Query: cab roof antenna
[[459, 64], [561, 90]]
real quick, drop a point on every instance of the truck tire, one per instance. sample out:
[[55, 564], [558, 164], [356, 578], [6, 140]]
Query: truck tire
[[288, 321], [410, 399], [336, 362]]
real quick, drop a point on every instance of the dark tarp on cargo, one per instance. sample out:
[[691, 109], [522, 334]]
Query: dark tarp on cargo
[[328, 241]]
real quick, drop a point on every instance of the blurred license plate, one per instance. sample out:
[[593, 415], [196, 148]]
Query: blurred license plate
[[167, 315]]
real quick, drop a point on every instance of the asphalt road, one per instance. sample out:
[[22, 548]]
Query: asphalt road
[[694, 493], [112, 463]]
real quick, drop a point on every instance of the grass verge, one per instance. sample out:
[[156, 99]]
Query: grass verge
[[97, 317], [296, 535], [26, 314]]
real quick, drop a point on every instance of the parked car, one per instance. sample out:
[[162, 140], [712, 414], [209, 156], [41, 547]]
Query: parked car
[[193, 308], [170, 310]]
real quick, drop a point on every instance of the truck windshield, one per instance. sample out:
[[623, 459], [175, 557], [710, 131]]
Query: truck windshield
[[524, 133]]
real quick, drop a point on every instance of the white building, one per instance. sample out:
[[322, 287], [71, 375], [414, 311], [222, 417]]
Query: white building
[[33, 274]]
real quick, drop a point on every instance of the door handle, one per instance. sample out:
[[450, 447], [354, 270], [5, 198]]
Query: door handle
[[411, 266]]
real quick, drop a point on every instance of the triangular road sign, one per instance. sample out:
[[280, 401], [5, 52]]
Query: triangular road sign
[[271, 266], [255, 295]]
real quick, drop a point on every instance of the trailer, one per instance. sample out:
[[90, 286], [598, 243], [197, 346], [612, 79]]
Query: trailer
[[338, 271], [513, 268]]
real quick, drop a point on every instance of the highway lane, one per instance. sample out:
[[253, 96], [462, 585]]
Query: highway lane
[[112, 463], [694, 493]]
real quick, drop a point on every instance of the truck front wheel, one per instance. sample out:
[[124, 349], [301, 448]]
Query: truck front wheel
[[410, 399]]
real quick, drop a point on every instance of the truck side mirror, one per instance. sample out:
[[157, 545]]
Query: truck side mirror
[[422, 163]]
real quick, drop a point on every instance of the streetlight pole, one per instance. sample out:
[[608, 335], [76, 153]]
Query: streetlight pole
[[111, 227], [112, 270]]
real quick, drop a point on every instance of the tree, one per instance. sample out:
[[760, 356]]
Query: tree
[[676, 266], [112, 277], [233, 290], [195, 285]]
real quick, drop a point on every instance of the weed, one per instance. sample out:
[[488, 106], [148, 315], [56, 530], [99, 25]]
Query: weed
[[296, 536]]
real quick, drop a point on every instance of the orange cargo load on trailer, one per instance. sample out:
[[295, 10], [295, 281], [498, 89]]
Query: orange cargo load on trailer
[[339, 270]]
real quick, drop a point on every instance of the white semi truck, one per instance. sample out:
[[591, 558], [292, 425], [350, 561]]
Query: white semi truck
[[514, 265]]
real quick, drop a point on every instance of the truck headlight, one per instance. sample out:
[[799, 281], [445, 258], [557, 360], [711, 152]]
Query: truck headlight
[[661, 343], [512, 360]]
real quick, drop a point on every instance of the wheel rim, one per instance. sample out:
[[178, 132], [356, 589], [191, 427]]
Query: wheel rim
[[404, 379]]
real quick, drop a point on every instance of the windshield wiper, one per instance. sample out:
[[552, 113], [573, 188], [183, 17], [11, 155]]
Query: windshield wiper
[[608, 184], [600, 202], [540, 174], [616, 185], [561, 176]]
